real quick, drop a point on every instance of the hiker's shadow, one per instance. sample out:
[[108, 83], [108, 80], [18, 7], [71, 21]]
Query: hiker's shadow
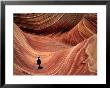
[[40, 67]]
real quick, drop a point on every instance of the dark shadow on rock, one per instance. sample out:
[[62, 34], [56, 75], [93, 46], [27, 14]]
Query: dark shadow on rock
[[40, 67]]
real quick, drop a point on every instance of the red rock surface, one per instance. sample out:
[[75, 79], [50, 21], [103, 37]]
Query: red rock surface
[[66, 43]]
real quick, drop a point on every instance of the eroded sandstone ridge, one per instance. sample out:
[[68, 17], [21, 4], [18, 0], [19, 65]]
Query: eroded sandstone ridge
[[66, 43]]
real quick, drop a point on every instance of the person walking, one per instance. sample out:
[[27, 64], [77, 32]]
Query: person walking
[[39, 63]]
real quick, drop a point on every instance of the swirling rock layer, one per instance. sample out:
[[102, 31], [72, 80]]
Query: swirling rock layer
[[66, 43]]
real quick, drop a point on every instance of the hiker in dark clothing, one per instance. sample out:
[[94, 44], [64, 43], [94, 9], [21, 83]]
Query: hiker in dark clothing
[[39, 62]]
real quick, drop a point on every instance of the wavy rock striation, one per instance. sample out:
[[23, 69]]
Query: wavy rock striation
[[66, 43]]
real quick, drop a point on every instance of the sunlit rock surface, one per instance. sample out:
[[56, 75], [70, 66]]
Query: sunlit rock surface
[[66, 43]]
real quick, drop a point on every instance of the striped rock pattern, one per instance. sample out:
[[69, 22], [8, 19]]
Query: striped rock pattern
[[66, 43]]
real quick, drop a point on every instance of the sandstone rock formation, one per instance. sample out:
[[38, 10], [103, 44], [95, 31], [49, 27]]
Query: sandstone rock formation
[[66, 43]]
